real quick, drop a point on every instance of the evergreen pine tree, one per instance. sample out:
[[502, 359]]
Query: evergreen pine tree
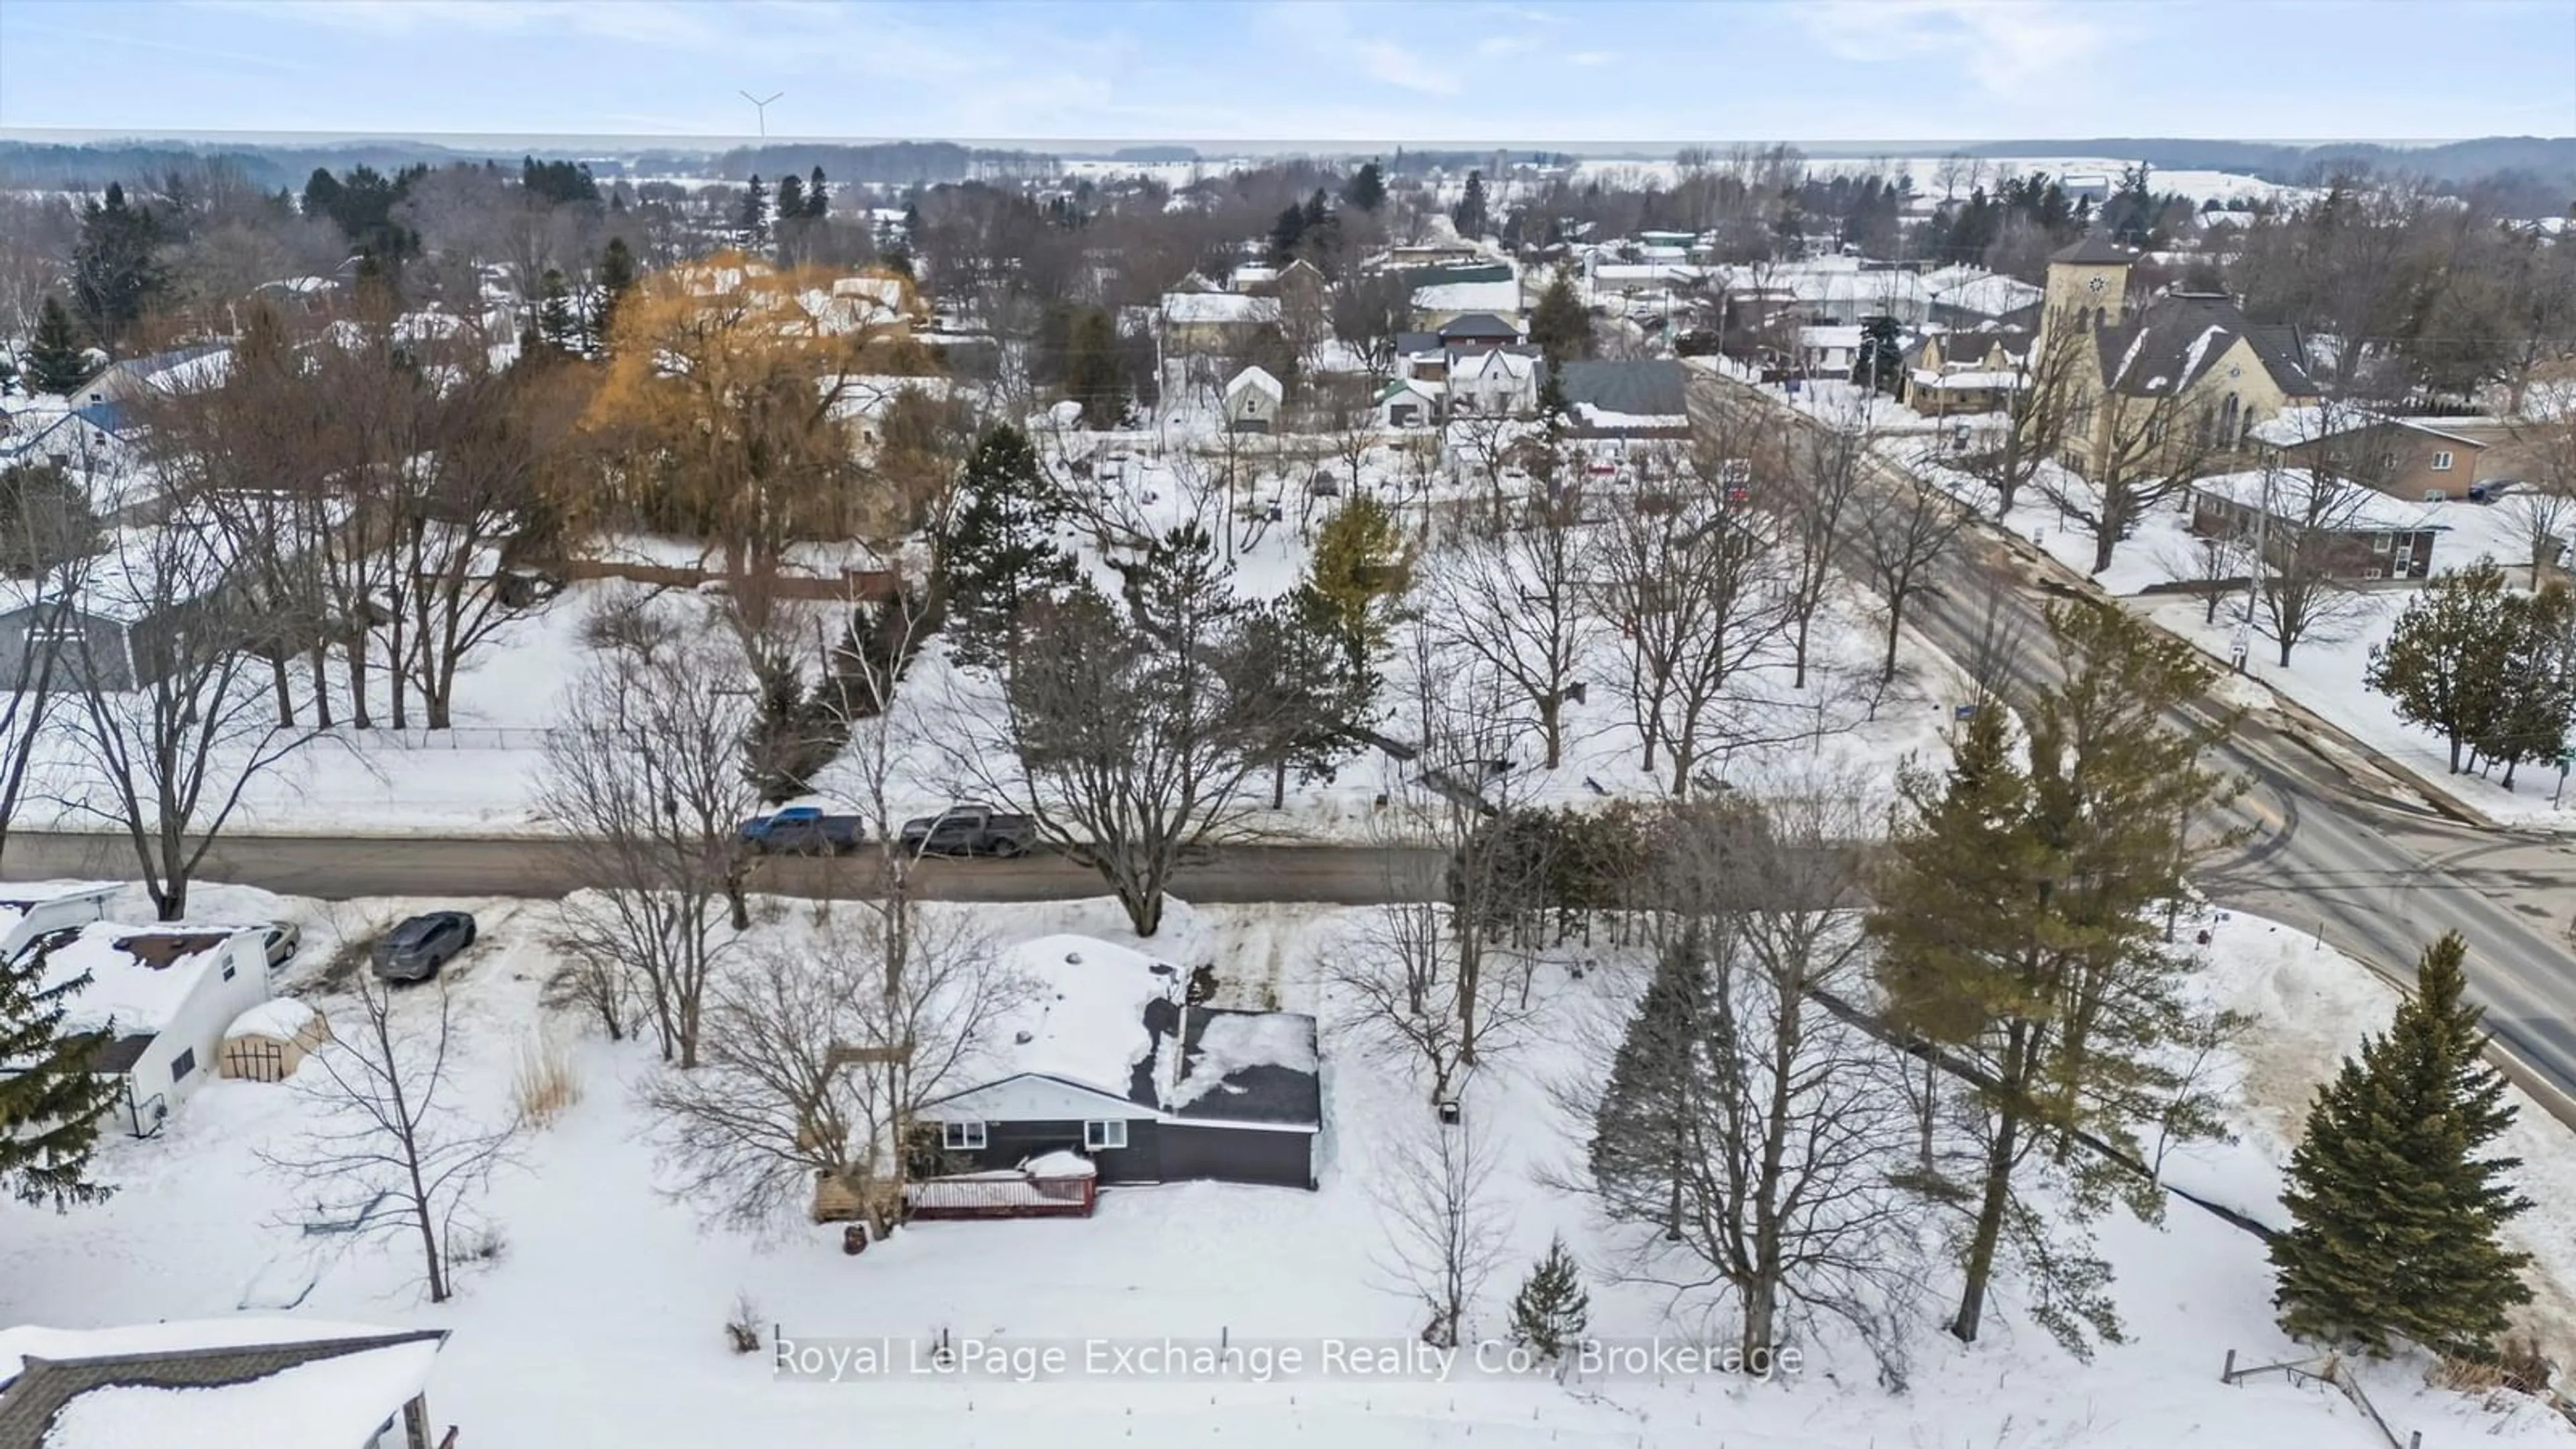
[[56, 362], [2394, 1212], [998, 546], [1361, 565], [1559, 325], [2536, 684], [1880, 363], [616, 279], [752, 221], [1366, 190], [818, 198], [1285, 234], [116, 272], [51, 1104], [555, 323], [1642, 1132], [791, 199], [1469, 214], [1095, 375], [2444, 661], [1551, 1311]]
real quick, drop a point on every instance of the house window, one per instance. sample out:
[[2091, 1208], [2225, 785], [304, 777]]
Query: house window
[[2379, 543], [228, 970], [182, 1064], [962, 1136], [2442, 461], [1099, 1136]]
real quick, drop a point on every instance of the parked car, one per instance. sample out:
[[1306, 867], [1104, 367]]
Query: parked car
[[280, 942], [804, 830], [414, 950], [970, 829]]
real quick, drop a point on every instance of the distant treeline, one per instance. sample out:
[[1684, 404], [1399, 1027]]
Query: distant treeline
[[50, 166], [2547, 159], [885, 163]]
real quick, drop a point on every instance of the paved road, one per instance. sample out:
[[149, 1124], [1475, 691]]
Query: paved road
[[337, 869], [2337, 845]]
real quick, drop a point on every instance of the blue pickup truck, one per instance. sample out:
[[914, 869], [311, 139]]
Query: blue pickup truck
[[803, 830]]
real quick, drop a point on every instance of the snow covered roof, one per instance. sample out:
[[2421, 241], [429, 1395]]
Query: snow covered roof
[[231, 1383], [1258, 380], [1218, 308], [1468, 297], [279, 1016], [1967, 377], [18, 898], [1111, 1021], [2180, 336], [1829, 337], [1084, 1021], [1989, 295], [139, 976], [2286, 492], [2291, 427]]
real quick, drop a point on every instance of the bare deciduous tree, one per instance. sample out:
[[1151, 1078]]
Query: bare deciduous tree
[[819, 1055], [2302, 557], [179, 722], [1811, 498], [393, 1156], [1445, 1228], [1907, 528], [1514, 600], [2048, 379], [645, 774]]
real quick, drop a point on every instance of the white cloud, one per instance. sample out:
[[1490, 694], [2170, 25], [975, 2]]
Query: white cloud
[[2008, 46]]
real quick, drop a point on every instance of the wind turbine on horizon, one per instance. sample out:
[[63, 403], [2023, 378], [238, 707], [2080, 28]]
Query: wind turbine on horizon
[[762, 108]]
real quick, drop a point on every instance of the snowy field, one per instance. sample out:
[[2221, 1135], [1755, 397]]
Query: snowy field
[[482, 776], [597, 1317]]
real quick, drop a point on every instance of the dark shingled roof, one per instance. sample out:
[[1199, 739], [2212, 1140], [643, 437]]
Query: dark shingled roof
[[1411, 344], [1651, 386], [2095, 250], [2179, 337], [1480, 324], [1271, 1095], [29, 1402]]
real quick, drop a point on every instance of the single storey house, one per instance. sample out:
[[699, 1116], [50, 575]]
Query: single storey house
[[2352, 532], [1633, 398], [1409, 402], [1109, 1059], [28, 911], [1252, 399], [303, 1384], [155, 1001], [2413, 459]]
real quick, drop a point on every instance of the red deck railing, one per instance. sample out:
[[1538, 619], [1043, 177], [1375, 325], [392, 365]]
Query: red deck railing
[[1000, 1195]]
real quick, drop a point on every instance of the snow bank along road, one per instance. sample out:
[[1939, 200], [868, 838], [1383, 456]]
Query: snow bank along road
[[2367, 863]]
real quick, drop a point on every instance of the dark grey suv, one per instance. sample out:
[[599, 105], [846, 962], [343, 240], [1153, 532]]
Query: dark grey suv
[[414, 950]]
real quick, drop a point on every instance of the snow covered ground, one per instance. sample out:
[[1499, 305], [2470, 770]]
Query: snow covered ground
[[598, 1318], [2325, 671]]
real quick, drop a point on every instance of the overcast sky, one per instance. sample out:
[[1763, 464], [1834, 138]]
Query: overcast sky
[[1553, 70]]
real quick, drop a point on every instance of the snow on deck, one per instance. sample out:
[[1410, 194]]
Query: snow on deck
[[17, 1345], [139, 976], [279, 1016]]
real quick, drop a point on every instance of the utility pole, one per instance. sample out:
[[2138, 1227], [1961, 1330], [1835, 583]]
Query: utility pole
[[761, 108]]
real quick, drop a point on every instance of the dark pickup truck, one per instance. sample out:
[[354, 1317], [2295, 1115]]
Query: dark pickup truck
[[970, 830], [803, 830]]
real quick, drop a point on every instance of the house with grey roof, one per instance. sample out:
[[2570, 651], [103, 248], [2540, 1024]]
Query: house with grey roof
[[305, 1385], [1633, 398]]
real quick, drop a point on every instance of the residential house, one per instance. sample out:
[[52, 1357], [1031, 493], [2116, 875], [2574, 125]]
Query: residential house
[[2426, 459], [2358, 533], [1637, 398], [1252, 399], [156, 1003], [1480, 332], [1110, 1060], [1437, 304], [183, 369], [2166, 378], [1213, 324], [1501, 382], [283, 1383], [1954, 373], [28, 911], [1828, 351], [1970, 297], [1409, 402], [112, 619]]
